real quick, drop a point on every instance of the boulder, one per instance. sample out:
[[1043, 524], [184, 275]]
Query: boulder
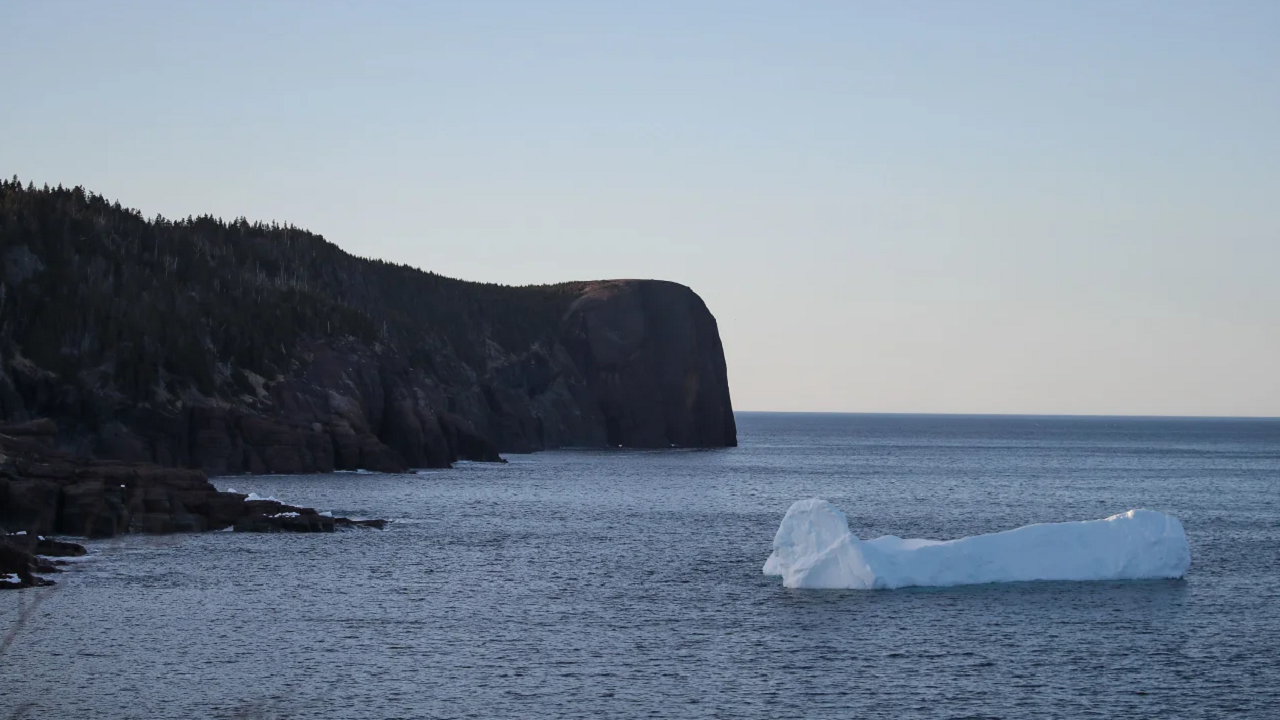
[[50, 547]]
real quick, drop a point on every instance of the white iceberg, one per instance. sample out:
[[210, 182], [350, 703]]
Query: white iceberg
[[814, 549], [251, 497]]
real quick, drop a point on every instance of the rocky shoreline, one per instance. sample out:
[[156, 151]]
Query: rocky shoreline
[[46, 492], [24, 558]]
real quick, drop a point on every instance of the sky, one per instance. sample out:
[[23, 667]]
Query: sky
[[953, 206]]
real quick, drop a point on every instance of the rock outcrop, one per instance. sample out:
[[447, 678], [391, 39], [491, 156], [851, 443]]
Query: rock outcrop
[[248, 348], [46, 492], [24, 557], [654, 366]]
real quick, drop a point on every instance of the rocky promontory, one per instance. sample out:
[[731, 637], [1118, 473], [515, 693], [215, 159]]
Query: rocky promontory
[[237, 347], [45, 492]]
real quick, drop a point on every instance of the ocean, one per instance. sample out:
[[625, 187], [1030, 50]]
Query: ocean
[[587, 583]]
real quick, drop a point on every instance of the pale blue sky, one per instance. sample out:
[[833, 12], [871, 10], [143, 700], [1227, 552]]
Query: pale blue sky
[[960, 206]]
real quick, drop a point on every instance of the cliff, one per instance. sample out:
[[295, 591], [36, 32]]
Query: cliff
[[244, 347]]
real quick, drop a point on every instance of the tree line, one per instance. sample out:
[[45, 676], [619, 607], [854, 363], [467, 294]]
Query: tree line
[[149, 307]]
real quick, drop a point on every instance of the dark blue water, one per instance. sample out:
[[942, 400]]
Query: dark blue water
[[628, 584]]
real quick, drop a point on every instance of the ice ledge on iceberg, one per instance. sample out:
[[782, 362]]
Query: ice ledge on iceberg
[[814, 549]]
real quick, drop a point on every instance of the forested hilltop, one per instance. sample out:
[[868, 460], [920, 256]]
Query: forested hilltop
[[238, 346]]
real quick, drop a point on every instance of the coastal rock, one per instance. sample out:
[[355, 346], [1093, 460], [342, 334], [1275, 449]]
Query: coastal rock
[[637, 364], [40, 429], [50, 547], [31, 505], [92, 509], [652, 357], [270, 350], [47, 491], [20, 559]]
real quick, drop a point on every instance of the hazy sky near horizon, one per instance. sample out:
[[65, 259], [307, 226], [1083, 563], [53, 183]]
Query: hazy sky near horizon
[[1005, 207]]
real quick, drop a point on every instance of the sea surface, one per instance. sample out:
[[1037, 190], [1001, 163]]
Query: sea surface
[[628, 584]]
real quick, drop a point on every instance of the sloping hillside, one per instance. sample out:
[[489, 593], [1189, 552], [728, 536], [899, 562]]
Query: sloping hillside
[[237, 346]]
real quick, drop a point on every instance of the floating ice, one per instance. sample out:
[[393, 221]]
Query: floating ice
[[255, 496], [814, 549]]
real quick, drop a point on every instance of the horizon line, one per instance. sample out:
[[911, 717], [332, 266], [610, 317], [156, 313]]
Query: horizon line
[[1008, 415]]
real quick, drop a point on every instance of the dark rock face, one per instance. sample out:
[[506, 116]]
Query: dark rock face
[[348, 410], [30, 504], [253, 348], [636, 364], [653, 361], [19, 563]]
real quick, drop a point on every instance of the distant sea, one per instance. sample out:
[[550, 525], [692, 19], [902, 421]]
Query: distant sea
[[628, 584]]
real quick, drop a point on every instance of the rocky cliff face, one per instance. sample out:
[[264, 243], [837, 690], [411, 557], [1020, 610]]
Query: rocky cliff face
[[637, 364], [653, 363], [234, 348]]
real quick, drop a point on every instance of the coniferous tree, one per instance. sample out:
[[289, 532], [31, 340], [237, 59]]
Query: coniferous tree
[[148, 308]]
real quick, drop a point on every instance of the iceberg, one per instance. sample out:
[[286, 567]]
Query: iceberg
[[254, 497], [814, 549]]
